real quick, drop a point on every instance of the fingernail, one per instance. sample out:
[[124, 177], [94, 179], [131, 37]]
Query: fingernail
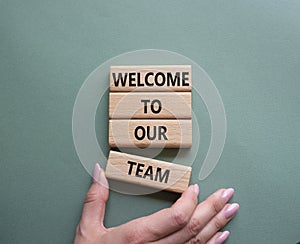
[[227, 194], [103, 180], [96, 173], [222, 237], [231, 210], [196, 189]]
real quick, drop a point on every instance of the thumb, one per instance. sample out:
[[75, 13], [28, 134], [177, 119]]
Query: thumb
[[94, 205]]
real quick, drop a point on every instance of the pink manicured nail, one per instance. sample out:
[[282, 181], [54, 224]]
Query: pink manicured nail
[[222, 237], [231, 210], [196, 189], [96, 173], [103, 180], [227, 194]]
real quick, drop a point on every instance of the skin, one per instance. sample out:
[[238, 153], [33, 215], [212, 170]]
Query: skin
[[186, 221]]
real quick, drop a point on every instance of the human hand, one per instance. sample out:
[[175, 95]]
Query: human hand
[[185, 221]]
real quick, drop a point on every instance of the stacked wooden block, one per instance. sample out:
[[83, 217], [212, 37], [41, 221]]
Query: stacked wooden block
[[147, 172], [150, 106]]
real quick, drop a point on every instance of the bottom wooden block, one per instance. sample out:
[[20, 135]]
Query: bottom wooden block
[[147, 172]]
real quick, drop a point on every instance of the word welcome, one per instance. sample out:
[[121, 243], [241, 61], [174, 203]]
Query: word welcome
[[133, 79]]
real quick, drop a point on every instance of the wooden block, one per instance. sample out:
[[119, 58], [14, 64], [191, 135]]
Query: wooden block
[[151, 78], [147, 172], [150, 105], [150, 133]]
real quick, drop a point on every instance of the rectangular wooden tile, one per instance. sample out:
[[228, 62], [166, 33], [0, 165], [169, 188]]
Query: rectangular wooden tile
[[150, 105], [151, 78], [150, 133], [147, 172]]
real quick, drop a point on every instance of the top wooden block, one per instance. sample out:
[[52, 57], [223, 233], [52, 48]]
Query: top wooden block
[[151, 78]]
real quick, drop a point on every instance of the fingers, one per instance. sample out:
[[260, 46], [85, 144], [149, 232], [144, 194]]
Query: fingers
[[94, 204], [217, 223], [164, 222], [209, 208], [201, 217]]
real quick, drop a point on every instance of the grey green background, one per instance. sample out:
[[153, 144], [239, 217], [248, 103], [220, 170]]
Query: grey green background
[[251, 50]]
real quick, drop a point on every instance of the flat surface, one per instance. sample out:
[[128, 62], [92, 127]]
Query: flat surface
[[249, 48]]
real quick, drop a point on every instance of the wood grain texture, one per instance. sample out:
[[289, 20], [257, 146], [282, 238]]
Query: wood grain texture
[[150, 133], [150, 105], [147, 172], [141, 77]]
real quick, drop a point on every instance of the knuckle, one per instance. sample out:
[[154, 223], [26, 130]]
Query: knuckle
[[216, 204], [219, 223], [194, 226], [91, 196], [81, 232], [134, 237], [78, 230], [197, 240], [87, 234], [179, 217]]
